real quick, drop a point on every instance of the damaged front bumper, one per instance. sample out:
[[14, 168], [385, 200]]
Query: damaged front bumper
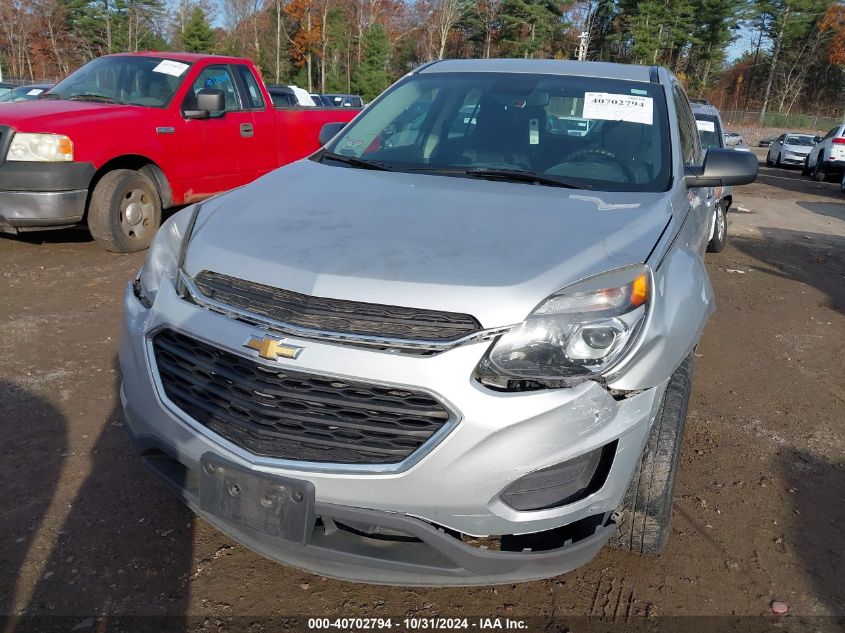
[[438, 518]]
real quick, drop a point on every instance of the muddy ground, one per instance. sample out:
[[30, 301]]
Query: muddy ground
[[86, 532]]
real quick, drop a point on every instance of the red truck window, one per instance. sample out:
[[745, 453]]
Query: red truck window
[[219, 77], [252, 92]]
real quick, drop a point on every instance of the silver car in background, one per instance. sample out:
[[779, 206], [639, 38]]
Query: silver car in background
[[456, 356], [790, 149]]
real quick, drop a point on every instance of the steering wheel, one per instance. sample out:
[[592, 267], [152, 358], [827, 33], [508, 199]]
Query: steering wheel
[[605, 154]]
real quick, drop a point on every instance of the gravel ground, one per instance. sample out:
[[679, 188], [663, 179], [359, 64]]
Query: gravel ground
[[91, 541]]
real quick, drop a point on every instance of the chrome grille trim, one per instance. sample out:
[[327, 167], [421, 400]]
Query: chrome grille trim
[[339, 338]]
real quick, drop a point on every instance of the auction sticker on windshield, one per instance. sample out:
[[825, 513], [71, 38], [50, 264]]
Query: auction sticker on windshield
[[607, 106], [705, 126], [169, 67]]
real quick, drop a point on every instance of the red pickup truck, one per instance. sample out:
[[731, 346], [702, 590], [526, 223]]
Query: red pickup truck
[[128, 135]]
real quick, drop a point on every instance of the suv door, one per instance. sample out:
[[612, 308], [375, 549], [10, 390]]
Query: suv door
[[702, 200], [216, 153], [822, 148]]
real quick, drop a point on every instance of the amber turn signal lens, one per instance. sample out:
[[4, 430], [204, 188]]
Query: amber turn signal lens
[[639, 290], [65, 147]]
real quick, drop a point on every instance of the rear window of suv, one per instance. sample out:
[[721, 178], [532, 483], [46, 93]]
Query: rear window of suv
[[602, 134], [709, 130]]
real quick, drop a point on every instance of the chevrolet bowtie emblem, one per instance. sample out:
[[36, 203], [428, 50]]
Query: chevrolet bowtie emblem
[[272, 348]]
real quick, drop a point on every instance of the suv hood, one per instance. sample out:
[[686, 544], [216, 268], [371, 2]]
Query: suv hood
[[487, 248]]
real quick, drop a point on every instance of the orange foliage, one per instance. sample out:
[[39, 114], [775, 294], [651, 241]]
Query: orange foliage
[[834, 20], [306, 40]]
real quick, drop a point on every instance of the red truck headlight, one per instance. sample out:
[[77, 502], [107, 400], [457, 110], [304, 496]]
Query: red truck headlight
[[40, 148]]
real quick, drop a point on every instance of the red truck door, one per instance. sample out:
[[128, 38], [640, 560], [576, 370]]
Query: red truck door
[[216, 153], [265, 152]]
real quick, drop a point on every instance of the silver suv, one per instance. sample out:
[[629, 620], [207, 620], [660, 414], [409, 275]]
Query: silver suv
[[827, 157], [453, 348], [710, 126]]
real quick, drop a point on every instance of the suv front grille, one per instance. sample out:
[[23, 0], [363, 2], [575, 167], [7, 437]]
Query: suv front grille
[[276, 412], [336, 315]]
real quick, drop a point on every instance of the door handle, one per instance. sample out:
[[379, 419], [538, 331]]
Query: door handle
[[247, 130]]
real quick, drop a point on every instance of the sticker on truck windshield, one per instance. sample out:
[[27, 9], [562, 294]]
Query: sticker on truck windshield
[[34, 91], [705, 126], [607, 106], [169, 67]]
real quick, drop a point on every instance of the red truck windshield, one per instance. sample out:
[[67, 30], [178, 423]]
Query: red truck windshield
[[140, 81]]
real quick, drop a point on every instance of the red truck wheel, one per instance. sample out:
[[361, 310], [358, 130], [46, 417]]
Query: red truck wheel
[[125, 211]]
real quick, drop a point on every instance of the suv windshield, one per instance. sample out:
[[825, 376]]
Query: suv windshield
[[601, 134], [798, 139], [140, 81]]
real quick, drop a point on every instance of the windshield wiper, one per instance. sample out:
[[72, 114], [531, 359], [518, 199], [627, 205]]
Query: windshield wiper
[[93, 97], [518, 175], [357, 162]]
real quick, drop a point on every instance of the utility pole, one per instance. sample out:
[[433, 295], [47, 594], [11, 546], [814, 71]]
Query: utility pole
[[583, 45]]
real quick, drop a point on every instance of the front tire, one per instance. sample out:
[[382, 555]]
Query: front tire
[[805, 170], [842, 184], [647, 506], [720, 231], [124, 212]]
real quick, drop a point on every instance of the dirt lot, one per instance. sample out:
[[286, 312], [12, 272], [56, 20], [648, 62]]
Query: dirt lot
[[86, 532]]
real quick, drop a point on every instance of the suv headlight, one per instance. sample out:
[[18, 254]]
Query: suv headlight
[[575, 334], [163, 259], [40, 147]]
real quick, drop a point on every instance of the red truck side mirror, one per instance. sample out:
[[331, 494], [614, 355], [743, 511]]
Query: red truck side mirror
[[209, 102]]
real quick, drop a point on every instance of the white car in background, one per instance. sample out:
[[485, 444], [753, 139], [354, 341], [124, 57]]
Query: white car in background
[[827, 156], [789, 149]]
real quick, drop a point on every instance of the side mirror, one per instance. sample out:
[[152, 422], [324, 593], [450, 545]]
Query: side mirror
[[329, 131], [780, 142], [210, 102], [817, 139], [723, 167]]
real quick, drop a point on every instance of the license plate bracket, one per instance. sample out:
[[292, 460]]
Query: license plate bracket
[[276, 506]]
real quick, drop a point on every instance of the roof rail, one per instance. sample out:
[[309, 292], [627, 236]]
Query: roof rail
[[422, 67], [653, 75]]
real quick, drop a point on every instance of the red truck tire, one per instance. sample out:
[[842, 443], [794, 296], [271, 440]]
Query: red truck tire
[[125, 211]]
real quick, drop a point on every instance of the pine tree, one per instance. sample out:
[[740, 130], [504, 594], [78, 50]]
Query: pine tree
[[529, 26], [199, 37], [371, 77]]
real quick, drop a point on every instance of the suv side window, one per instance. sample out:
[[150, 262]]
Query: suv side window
[[832, 133], [220, 77], [253, 92], [690, 145]]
